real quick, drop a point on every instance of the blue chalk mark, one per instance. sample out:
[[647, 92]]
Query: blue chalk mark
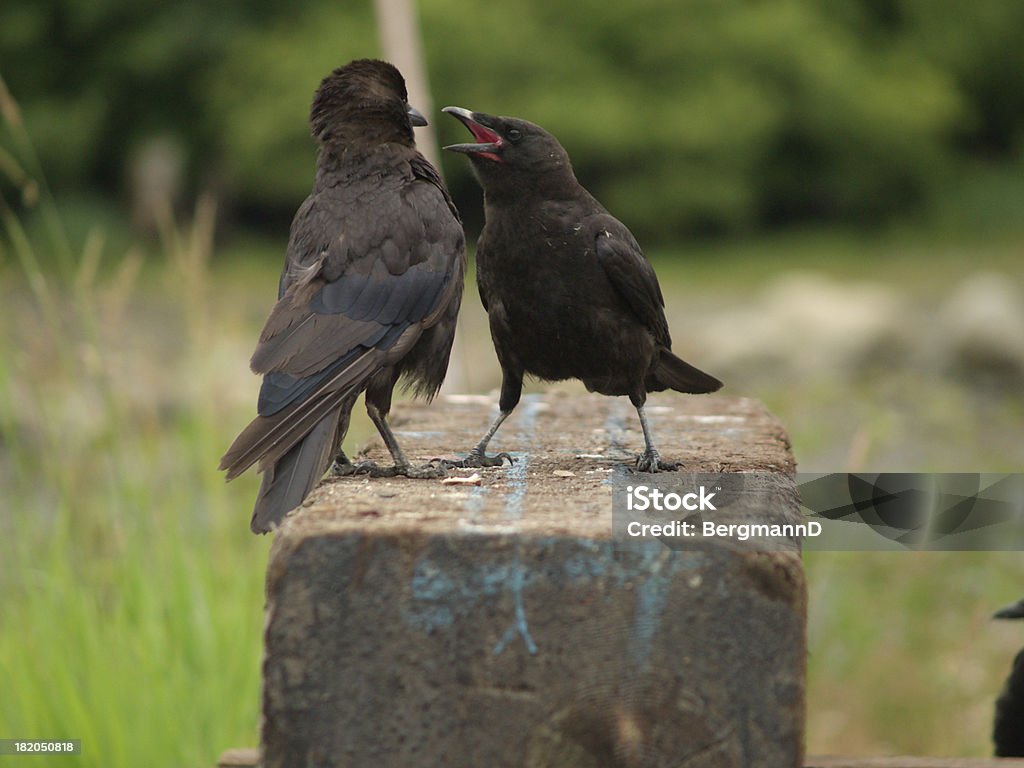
[[587, 566], [514, 511], [443, 590], [517, 472], [475, 503], [650, 605], [431, 583], [520, 627], [517, 482], [432, 586]]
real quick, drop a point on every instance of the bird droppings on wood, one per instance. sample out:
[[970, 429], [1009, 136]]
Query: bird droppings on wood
[[473, 479]]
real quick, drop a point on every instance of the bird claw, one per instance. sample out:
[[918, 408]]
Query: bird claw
[[651, 461], [348, 469], [425, 472], [477, 460], [372, 469]]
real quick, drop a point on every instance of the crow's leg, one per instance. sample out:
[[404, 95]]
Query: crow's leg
[[342, 465], [402, 465], [511, 390], [650, 460], [478, 456], [378, 405]]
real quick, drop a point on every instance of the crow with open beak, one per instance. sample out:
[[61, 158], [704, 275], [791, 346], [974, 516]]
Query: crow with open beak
[[368, 296], [568, 292]]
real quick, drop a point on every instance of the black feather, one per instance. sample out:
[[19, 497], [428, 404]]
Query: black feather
[[1008, 727], [568, 291], [365, 295], [289, 480]]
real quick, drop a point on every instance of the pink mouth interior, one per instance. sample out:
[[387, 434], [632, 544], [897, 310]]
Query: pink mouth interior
[[483, 135]]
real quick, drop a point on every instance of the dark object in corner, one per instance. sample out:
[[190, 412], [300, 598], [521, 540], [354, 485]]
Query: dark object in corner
[[1008, 730], [369, 293], [568, 292]]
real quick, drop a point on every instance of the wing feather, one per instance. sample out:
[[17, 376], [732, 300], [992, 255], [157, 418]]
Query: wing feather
[[632, 275], [355, 295]]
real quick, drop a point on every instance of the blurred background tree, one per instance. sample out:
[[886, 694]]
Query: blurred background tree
[[685, 117]]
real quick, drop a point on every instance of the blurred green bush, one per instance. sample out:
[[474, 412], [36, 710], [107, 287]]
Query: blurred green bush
[[681, 115]]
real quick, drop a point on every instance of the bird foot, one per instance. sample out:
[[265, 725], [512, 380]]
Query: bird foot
[[372, 469], [651, 461], [476, 459], [348, 469], [426, 472]]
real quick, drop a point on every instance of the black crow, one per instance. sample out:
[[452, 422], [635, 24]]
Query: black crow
[[369, 293], [1008, 730], [568, 292]]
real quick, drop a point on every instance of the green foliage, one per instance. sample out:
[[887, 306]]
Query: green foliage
[[260, 94], [97, 78], [712, 115], [693, 115], [132, 590]]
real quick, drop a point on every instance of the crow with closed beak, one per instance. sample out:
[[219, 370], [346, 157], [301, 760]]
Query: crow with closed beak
[[369, 294], [568, 292], [1008, 728]]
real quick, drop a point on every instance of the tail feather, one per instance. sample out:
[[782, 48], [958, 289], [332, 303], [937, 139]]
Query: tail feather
[[674, 373], [268, 438], [288, 481]]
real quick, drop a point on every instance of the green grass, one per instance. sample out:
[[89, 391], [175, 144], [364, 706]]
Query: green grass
[[903, 655], [132, 588], [148, 651]]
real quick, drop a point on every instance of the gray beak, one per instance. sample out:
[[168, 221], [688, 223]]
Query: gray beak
[[488, 142], [416, 117]]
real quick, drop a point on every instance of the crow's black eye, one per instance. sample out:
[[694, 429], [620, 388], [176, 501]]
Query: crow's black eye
[[513, 134]]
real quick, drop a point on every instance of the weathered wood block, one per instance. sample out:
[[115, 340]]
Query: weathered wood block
[[411, 623]]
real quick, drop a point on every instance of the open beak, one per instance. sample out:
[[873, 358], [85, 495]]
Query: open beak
[[488, 143], [416, 117]]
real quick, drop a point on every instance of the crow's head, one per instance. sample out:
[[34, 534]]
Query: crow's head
[[363, 103], [509, 151]]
